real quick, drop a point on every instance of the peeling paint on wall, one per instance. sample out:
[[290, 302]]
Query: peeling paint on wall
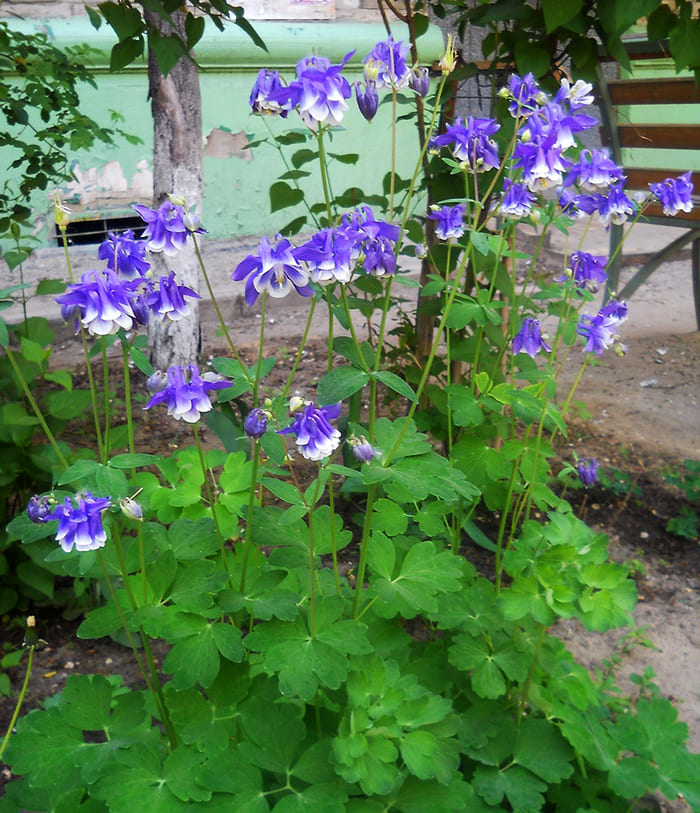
[[108, 185], [222, 143]]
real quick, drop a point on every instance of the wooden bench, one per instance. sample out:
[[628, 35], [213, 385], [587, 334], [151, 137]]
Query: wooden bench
[[633, 111]]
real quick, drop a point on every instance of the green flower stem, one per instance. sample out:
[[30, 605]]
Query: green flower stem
[[127, 397], [261, 341], [334, 543], [297, 359], [20, 700], [35, 407], [210, 494], [351, 327], [364, 549], [531, 672], [431, 357], [215, 303], [498, 559], [248, 544], [324, 174], [86, 353], [312, 577], [107, 405], [575, 385], [392, 178], [327, 293], [93, 393]]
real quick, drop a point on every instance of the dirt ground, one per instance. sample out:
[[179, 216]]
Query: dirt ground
[[638, 414]]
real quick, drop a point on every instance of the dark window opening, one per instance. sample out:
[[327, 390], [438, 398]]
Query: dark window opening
[[86, 232]]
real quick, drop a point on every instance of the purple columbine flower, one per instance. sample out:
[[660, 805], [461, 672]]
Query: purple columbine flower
[[471, 142], [542, 163], [319, 92], [524, 94], [380, 257], [599, 331], [315, 437], [449, 221], [167, 300], [131, 509], [614, 207], [165, 228], [615, 310], [386, 64], [39, 508], [587, 470], [362, 449], [255, 424], [420, 80], [330, 255], [517, 200], [367, 98], [529, 339], [125, 255], [587, 270], [80, 526], [274, 269], [266, 84], [577, 95], [186, 393], [595, 171], [101, 301], [675, 194]]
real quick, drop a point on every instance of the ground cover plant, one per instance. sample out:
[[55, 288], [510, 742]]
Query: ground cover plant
[[331, 645]]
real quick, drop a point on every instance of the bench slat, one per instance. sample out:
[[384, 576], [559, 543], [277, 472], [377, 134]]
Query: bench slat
[[640, 178], [675, 90], [662, 136]]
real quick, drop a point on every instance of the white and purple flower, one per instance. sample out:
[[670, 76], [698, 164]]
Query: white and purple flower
[[367, 98], [315, 437], [167, 299], [517, 200], [165, 228], [675, 194], [471, 142], [125, 255], [529, 338], [266, 84], [330, 255], [101, 301], [275, 269], [80, 526], [587, 270], [186, 393], [449, 221], [386, 64]]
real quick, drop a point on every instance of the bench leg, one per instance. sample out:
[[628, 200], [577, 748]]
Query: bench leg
[[696, 278], [666, 254], [614, 265]]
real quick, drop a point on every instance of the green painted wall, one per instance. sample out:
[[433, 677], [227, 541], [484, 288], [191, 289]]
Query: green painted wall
[[236, 181]]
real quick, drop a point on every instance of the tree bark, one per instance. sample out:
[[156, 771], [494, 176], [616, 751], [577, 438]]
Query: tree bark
[[177, 169]]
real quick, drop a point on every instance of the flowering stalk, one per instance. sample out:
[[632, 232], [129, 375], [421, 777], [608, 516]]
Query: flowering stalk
[[210, 494], [39, 414], [248, 543], [219, 315], [30, 644]]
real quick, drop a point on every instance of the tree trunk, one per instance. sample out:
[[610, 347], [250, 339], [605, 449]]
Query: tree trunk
[[177, 170]]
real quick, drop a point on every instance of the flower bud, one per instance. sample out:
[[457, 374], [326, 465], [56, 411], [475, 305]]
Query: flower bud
[[372, 69], [61, 213], [131, 509], [587, 470], [420, 80], [157, 381], [255, 423], [367, 99], [38, 508], [176, 200], [362, 449], [449, 59], [296, 403]]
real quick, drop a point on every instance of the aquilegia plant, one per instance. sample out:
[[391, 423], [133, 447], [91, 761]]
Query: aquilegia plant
[[328, 643]]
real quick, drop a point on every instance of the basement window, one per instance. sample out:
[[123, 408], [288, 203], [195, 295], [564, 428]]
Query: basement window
[[96, 230]]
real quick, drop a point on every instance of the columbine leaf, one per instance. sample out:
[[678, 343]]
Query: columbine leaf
[[541, 749], [424, 574]]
